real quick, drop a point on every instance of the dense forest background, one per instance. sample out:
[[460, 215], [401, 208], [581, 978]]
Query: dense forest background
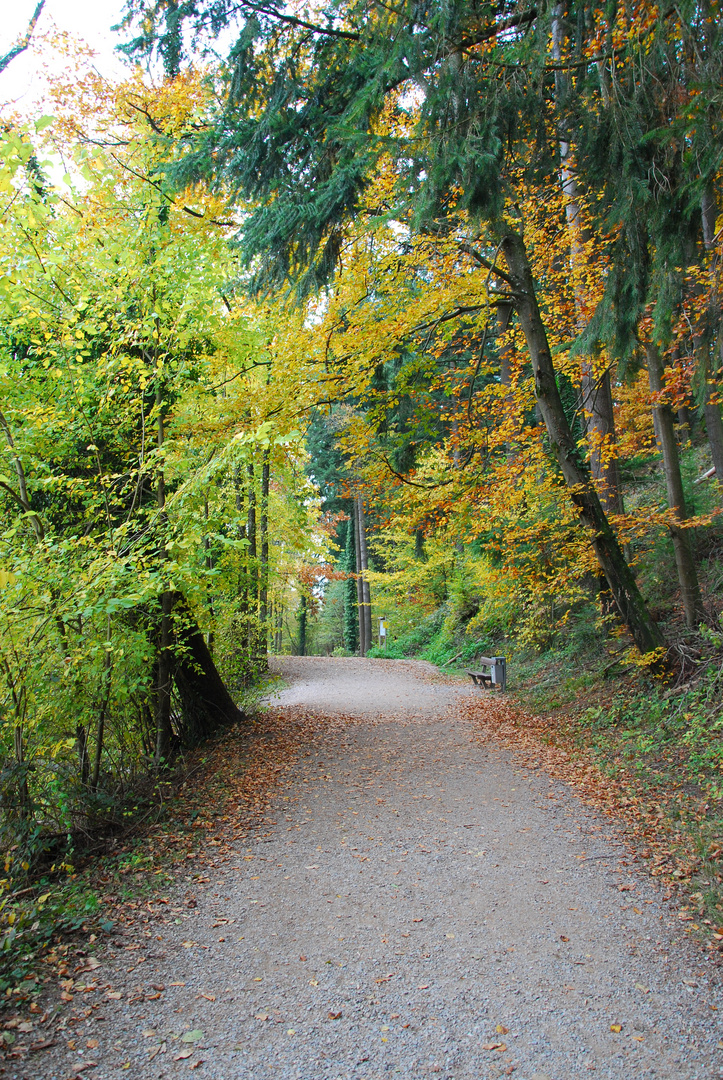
[[334, 312]]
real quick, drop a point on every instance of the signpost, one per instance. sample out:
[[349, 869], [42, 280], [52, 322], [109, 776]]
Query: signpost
[[383, 631]]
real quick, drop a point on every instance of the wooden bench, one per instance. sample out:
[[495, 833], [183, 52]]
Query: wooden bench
[[495, 676]]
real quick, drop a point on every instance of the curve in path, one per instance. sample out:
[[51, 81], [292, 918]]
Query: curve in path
[[419, 907]]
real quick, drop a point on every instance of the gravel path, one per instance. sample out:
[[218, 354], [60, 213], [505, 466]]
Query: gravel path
[[420, 906]]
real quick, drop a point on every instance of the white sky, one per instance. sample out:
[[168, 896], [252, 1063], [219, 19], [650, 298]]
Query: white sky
[[21, 83]]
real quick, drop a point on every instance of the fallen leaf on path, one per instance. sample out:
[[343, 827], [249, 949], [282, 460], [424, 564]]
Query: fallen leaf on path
[[191, 1036], [183, 1054], [195, 1064], [424, 986], [92, 1044], [417, 920], [261, 1016], [643, 989], [115, 995], [149, 1033], [385, 978], [208, 997], [563, 938], [499, 1046], [303, 959], [502, 1030], [335, 1016], [616, 1027]]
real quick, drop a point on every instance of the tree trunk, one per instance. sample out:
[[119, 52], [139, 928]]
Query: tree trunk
[[253, 588], [351, 635], [709, 348], [164, 732], [366, 591], [165, 658], [103, 712], [264, 567], [303, 615], [684, 561], [208, 558], [205, 702], [623, 587], [597, 403], [359, 583]]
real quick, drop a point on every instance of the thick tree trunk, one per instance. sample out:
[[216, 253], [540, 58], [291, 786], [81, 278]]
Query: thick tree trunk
[[366, 591], [359, 582], [205, 702], [684, 561], [623, 587]]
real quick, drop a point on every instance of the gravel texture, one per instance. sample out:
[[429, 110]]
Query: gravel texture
[[416, 904]]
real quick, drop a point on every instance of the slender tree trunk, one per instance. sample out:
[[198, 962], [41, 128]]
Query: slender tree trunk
[[366, 590], [81, 742], [303, 615], [623, 587], [251, 523], [359, 581], [709, 348], [208, 559], [351, 635], [242, 644], [23, 791], [105, 701], [165, 657], [684, 561], [264, 566]]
